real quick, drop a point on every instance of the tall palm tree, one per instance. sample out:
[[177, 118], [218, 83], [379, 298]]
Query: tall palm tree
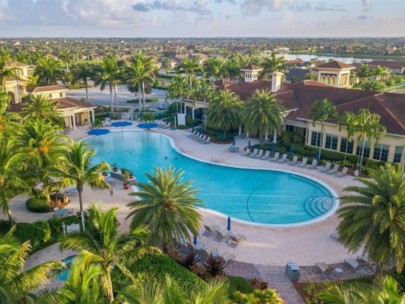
[[214, 292], [213, 68], [16, 284], [367, 127], [190, 66], [262, 113], [5, 71], [109, 75], [224, 111], [178, 88], [66, 56], [48, 70], [8, 120], [42, 108], [103, 245], [321, 111], [363, 72], [168, 206], [77, 170], [380, 73], [83, 72], [373, 216], [347, 120], [231, 69], [11, 181], [271, 64]]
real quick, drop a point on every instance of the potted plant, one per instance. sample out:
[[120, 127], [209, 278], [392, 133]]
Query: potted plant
[[115, 167], [131, 174], [105, 173], [125, 178]]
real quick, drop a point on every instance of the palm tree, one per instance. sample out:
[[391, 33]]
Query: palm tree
[[373, 216], [8, 120], [213, 68], [231, 69], [5, 71], [102, 245], [168, 206], [66, 56], [11, 181], [76, 170], [178, 88], [380, 73], [367, 126], [321, 111], [262, 113], [373, 85], [271, 64], [348, 120], [224, 111], [214, 292], [363, 72], [83, 72], [42, 108], [190, 67], [109, 75], [48, 70], [16, 284]]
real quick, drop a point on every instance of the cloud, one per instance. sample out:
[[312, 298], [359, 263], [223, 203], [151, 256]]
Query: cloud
[[362, 17], [366, 4], [334, 8], [141, 7], [255, 7], [197, 6]]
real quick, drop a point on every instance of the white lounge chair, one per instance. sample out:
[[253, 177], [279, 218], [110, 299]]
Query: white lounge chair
[[193, 134], [304, 162], [276, 157], [313, 164], [326, 167], [207, 140], [236, 238], [260, 154], [356, 267], [327, 272], [294, 161], [211, 229], [266, 155], [254, 153], [333, 170], [343, 173], [283, 159]]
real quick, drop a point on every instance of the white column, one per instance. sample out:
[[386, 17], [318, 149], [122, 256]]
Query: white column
[[275, 136], [192, 113], [92, 116], [74, 121], [240, 130]]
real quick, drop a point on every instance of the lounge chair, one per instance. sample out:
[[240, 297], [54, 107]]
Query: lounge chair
[[327, 272], [247, 151], [333, 170], [227, 256], [236, 238], [219, 236], [199, 137], [335, 236], [275, 157], [260, 154], [209, 230], [294, 161], [343, 173], [266, 155], [193, 134], [326, 167], [207, 140], [283, 159], [304, 162], [313, 164], [254, 153], [356, 267]]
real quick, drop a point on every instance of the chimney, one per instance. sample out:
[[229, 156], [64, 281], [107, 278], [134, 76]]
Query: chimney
[[276, 78]]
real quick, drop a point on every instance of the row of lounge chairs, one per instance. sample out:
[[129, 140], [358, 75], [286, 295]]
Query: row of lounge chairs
[[267, 155], [360, 266], [163, 124], [231, 238], [200, 137]]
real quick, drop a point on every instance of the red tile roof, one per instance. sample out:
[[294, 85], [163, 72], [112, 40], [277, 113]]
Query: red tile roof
[[252, 67], [49, 89], [334, 65], [388, 64]]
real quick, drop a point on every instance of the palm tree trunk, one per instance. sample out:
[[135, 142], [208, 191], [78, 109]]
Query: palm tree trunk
[[115, 96], [143, 95], [87, 91], [362, 152], [80, 190], [112, 99], [10, 217], [140, 97]]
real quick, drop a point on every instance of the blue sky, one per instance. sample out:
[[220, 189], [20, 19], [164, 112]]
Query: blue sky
[[202, 18]]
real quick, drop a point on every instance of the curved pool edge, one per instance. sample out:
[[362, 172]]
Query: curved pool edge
[[217, 213]]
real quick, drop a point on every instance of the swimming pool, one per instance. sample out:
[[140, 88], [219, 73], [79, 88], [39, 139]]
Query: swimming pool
[[252, 195], [64, 274]]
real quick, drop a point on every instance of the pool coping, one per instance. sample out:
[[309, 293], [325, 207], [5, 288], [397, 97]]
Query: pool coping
[[334, 194]]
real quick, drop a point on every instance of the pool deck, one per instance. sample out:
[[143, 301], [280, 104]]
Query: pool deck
[[264, 246]]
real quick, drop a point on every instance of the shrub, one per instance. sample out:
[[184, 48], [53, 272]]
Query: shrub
[[157, 266], [57, 224], [38, 233], [266, 296], [38, 205], [4, 226], [238, 284]]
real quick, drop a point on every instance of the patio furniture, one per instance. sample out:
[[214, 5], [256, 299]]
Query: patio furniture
[[255, 153], [110, 180], [275, 157], [335, 236], [304, 162], [313, 164], [210, 229], [326, 271], [333, 170], [207, 140], [326, 167], [294, 161], [236, 238], [343, 173], [219, 236], [260, 154], [283, 159], [356, 267], [266, 155], [62, 212]]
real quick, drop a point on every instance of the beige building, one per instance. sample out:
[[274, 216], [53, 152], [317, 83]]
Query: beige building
[[334, 73], [16, 86]]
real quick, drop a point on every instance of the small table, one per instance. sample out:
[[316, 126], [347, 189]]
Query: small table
[[62, 212]]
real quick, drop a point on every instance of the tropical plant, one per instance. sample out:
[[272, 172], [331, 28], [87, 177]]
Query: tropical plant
[[262, 113], [363, 72], [5, 71], [48, 70], [373, 85], [224, 111], [213, 68], [77, 170], [380, 73], [8, 120], [16, 284], [42, 108], [373, 216], [66, 56], [347, 120], [190, 66], [83, 72], [103, 245], [321, 111], [271, 64], [167, 206], [177, 89]]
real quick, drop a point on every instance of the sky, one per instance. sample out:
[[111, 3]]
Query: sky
[[202, 18]]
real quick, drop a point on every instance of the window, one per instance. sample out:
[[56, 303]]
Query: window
[[346, 146], [331, 142], [381, 152], [398, 154], [316, 139], [50, 95], [60, 94], [289, 128], [366, 153]]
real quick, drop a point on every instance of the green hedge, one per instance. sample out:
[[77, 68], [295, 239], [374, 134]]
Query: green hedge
[[154, 99], [157, 266], [238, 284], [38, 205], [38, 233]]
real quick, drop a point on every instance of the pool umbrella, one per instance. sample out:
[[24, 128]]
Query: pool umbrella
[[228, 227], [192, 129], [249, 146], [233, 140], [273, 148], [195, 240], [98, 132], [291, 150], [147, 125], [121, 124]]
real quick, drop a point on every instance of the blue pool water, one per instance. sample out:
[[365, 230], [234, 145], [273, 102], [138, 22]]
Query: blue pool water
[[64, 274], [261, 196]]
